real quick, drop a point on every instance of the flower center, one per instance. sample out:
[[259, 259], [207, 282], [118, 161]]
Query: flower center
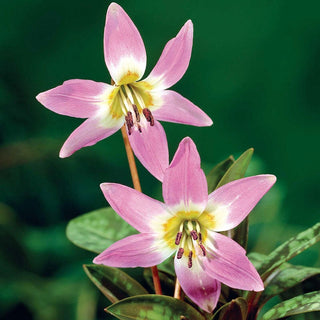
[[189, 240], [134, 108]]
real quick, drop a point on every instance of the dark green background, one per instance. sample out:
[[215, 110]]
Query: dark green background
[[254, 69]]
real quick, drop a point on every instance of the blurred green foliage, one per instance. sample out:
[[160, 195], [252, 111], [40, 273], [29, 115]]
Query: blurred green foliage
[[255, 70]]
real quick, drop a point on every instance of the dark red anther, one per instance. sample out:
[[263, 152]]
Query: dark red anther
[[129, 119], [180, 253], [204, 252], [190, 259], [194, 234], [200, 236], [136, 112], [178, 238], [129, 130], [148, 115], [139, 127]]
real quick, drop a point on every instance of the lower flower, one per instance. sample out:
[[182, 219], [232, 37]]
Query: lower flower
[[187, 225]]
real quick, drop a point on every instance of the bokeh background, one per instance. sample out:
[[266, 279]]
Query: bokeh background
[[254, 69]]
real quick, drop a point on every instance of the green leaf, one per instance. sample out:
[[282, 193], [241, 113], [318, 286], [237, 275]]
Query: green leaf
[[237, 171], [236, 309], [215, 175], [290, 249], [153, 307], [112, 282], [257, 259], [97, 230], [287, 276], [167, 280], [305, 303]]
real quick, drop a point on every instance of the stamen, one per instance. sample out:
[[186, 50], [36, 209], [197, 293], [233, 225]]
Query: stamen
[[129, 95], [190, 259], [148, 115], [136, 112], [129, 122], [178, 238], [139, 127], [194, 235], [200, 236], [197, 227], [180, 253], [204, 252]]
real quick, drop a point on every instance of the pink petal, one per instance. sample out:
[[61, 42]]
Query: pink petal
[[75, 98], [184, 181], [232, 202], [197, 284], [138, 250], [151, 148], [174, 59], [89, 133], [176, 108], [124, 50], [133, 206], [229, 264]]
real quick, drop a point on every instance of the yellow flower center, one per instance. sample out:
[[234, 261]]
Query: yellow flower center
[[133, 101], [187, 231]]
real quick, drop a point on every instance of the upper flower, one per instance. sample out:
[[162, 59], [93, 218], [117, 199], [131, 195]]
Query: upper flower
[[187, 225], [138, 104]]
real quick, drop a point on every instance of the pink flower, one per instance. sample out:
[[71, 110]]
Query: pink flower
[[139, 104], [187, 224]]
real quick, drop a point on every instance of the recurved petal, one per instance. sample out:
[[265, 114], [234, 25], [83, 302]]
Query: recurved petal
[[176, 108], [90, 132], [174, 59], [134, 207], [76, 98], [226, 261], [139, 250], [231, 203], [184, 181], [151, 148], [197, 284], [124, 51]]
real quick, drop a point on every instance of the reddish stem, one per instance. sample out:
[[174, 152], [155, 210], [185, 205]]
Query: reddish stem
[[137, 186]]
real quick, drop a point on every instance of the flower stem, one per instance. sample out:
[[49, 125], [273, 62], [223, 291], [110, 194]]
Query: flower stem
[[137, 186], [177, 290]]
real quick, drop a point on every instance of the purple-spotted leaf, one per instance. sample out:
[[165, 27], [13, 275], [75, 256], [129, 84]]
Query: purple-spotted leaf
[[97, 230], [236, 309], [153, 307], [167, 281], [290, 249], [113, 283], [237, 171], [218, 171], [287, 276], [308, 302]]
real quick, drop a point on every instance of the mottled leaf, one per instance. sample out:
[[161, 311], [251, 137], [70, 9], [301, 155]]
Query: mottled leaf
[[305, 303], [153, 307], [97, 230], [237, 171], [236, 309], [257, 259], [290, 249], [113, 283], [167, 281], [287, 276], [218, 171]]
